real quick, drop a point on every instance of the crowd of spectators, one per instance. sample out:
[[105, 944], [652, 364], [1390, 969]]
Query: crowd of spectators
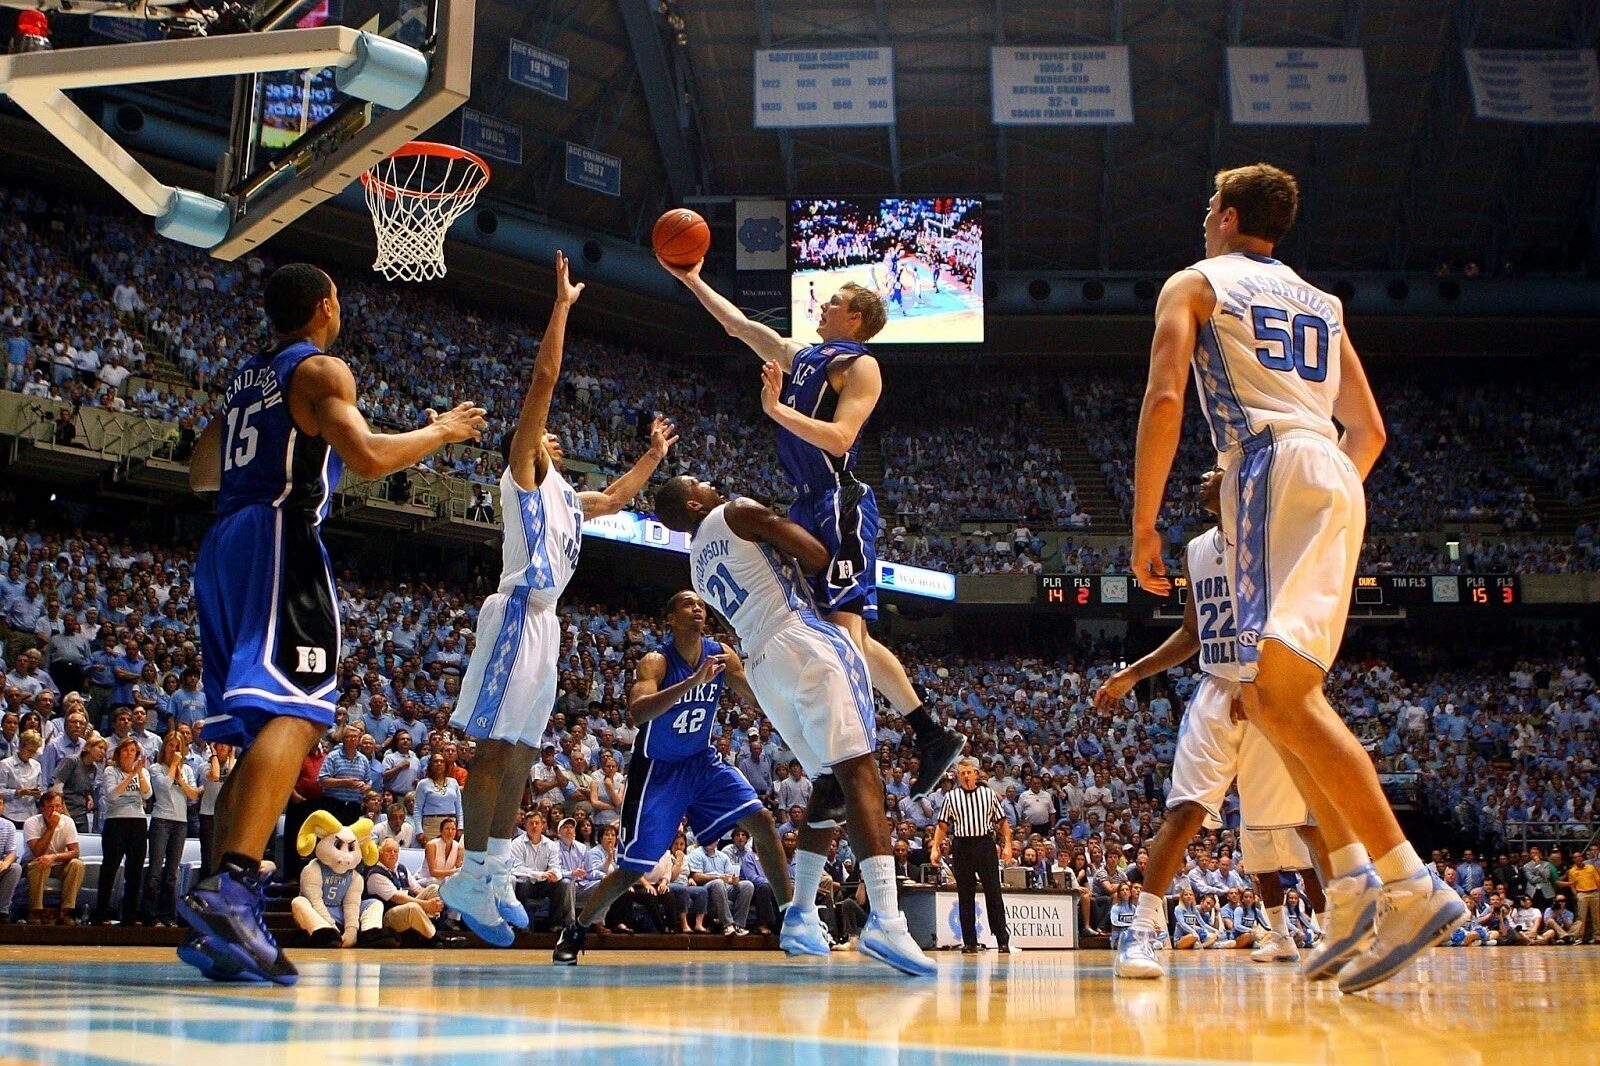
[[100, 637]]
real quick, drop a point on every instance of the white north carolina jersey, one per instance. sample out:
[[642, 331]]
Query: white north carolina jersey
[[544, 530], [1268, 358], [1209, 589], [756, 590]]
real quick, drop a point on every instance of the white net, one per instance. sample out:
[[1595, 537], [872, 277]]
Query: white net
[[414, 196]]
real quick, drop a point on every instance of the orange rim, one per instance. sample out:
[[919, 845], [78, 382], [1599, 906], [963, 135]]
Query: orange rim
[[439, 151]]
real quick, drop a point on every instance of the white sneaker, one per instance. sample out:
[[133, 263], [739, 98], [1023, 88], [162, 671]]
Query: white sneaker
[[503, 887], [469, 894], [1136, 957], [1352, 909], [1277, 947], [1413, 915], [889, 941]]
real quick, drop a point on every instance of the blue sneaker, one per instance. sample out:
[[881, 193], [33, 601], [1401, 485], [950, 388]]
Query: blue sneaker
[[470, 894], [889, 941], [213, 964], [1352, 910], [1136, 954], [504, 889], [1413, 916], [227, 912], [802, 932]]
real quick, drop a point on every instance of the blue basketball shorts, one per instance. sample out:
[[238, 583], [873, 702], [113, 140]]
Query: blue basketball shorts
[[269, 623], [845, 520], [713, 794]]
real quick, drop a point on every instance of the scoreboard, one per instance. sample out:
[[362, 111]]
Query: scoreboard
[[1479, 591]]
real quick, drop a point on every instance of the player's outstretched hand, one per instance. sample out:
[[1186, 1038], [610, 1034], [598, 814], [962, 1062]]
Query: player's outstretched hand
[[1149, 569], [464, 421], [566, 292], [663, 435], [683, 274], [771, 386], [710, 667], [1111, 692]]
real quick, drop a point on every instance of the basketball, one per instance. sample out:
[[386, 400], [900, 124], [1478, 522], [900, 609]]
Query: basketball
[[681, 237]]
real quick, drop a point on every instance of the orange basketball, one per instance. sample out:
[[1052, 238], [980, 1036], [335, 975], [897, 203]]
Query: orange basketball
[[681, 237]]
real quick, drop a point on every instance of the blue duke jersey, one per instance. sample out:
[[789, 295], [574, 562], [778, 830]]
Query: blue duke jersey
[[1268, 358], [265, 457], [683, 731], [805, 388], [269, 627], [1209, 588], [543, 537]]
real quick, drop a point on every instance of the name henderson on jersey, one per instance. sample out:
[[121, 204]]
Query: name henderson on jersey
[[263, 378]]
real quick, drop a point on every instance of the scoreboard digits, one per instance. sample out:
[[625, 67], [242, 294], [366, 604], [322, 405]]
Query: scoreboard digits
[[1477, 591]]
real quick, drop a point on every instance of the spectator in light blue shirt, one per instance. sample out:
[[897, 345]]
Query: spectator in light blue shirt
[[188, 704], [729, 897], [1469, 872], [344, 776], [743, 860]]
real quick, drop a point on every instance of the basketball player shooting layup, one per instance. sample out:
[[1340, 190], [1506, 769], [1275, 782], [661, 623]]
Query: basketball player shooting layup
[[674, 770], [269, 624], [509, 688], [1275, 369], [1214, 748], [811, 683], [821, 396]]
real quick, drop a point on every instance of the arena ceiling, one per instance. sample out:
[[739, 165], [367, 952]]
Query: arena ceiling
[[1425, 183]]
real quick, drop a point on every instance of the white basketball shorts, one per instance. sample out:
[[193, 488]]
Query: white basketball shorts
[[813, 686], [1294, 512], [509, 689], [1214, 750]]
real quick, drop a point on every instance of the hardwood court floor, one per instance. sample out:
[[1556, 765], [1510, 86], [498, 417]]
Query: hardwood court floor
[[88, 1007]]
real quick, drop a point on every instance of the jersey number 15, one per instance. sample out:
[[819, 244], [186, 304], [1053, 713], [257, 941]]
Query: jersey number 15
[[240, 446]]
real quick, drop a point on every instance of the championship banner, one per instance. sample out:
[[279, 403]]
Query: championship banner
[[796, 89], [490, 136], [1060, 86], [1298, 86], [1544, 87], [1034, 919], [761, 230]]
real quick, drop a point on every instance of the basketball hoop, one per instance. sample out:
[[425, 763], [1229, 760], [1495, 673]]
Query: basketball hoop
[[414, 196]]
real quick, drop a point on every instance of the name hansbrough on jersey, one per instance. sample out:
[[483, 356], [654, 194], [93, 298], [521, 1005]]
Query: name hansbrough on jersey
[[1211, 593], [1268, 358], [755, 588]]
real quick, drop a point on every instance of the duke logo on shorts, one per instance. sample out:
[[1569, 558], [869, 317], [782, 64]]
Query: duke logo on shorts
[[1267, 367], [509, 689], [807, 673]]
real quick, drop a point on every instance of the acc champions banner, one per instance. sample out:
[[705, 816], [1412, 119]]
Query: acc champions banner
[[824, 87], [1546, 87], [1060, 86], [1298, 86], [1034, 919]]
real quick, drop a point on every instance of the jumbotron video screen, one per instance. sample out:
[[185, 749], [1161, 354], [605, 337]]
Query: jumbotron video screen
[[924, 256]]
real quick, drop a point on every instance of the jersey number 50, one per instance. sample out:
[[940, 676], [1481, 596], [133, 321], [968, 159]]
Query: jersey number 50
[[1309, 360]]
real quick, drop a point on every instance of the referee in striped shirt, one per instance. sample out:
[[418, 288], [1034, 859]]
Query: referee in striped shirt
[[971, 816]]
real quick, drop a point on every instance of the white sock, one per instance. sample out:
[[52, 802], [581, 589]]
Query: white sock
[[1348, 859], [475, 858], [1278, 920], [1401, 863], [499, 848], [808, 878], [1152, 912], [877, 873]]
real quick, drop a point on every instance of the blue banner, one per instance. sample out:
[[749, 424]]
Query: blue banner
[[534, 68], [590, 169], [490, 136]]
